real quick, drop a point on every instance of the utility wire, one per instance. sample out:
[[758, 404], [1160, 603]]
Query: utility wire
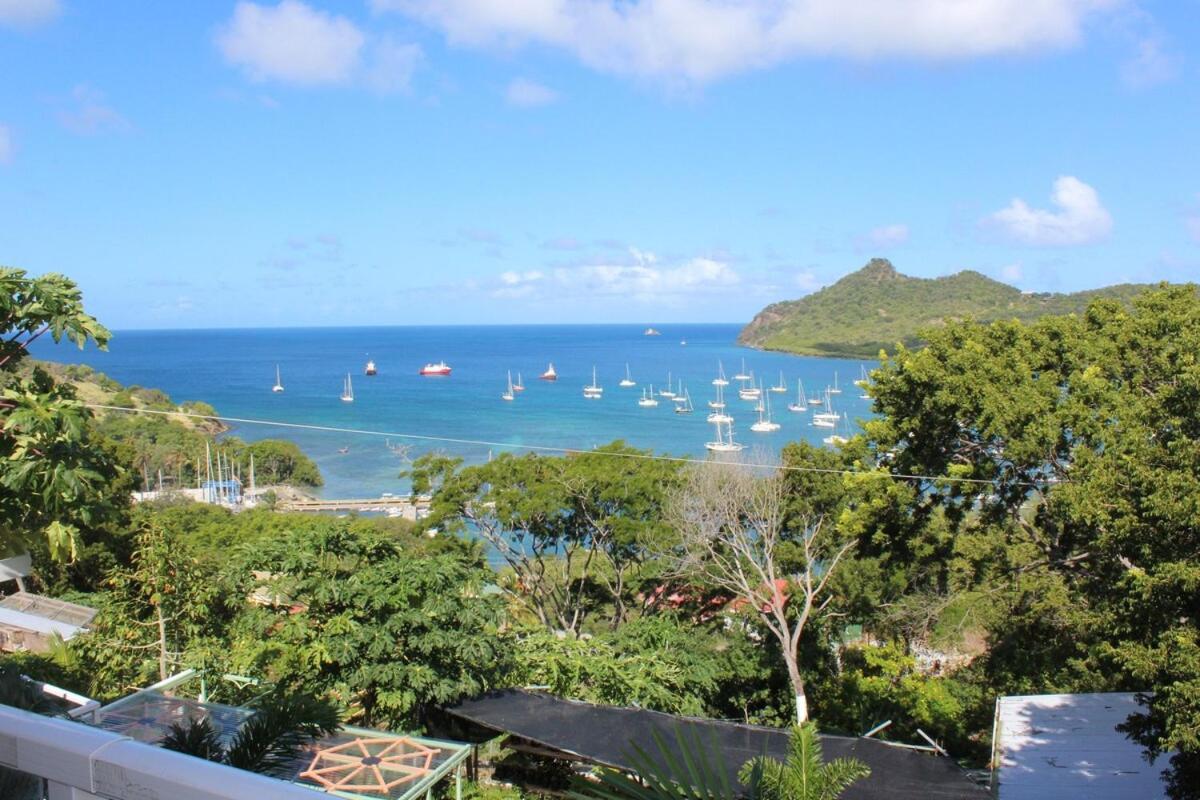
[[546, 448]]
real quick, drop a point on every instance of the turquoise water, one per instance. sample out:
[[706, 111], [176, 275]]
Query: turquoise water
[[235, 369]]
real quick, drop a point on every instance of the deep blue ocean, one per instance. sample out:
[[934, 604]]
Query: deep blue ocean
[[234, 370]]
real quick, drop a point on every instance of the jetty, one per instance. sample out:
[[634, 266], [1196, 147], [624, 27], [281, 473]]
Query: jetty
[[394, 505]]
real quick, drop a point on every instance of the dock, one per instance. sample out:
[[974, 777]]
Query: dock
[[393, 505]]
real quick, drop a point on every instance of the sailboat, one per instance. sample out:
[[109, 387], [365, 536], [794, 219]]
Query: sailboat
[[750, 392], [347, 390], [278, 387], [719, 403], [508, 394], [667, 391], [724, 443], [679, 394], [764, 424], [593, 391], [743, 375], [781, 387], [801, 404], [834, 389], [720, 380], [519, 386], [628, 380], [835, 439], [648, 400], [684, 407], [826, 419], [863, 383]]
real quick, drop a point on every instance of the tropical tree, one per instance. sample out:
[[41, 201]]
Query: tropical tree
[[1075, 444], [804, 774], [734, 534], [572, 531], [384, 629], [58, 478]]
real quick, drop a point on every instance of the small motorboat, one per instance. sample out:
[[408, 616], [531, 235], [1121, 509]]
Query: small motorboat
[[549, 374]]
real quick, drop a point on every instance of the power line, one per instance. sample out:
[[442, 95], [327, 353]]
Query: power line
[[536, 448]]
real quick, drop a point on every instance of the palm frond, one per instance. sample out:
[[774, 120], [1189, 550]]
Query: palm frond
[[195, 738], [691, 770], [282, 724]]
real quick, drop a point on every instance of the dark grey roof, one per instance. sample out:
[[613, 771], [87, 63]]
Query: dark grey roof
[[607, 735]]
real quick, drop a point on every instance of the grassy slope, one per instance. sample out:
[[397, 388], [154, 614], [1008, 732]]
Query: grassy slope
[[876, 307]]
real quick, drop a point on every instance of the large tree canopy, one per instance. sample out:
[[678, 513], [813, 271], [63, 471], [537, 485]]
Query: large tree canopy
[[1083, 434]]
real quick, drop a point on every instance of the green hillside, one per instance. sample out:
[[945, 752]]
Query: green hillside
[[876, 307]]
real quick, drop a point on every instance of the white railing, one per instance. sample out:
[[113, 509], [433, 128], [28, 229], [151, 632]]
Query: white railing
[[80, 762]]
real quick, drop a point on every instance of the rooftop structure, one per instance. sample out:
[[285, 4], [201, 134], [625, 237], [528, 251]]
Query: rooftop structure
[[607, 735], [116, 756], [1067, 747], [30, 621]]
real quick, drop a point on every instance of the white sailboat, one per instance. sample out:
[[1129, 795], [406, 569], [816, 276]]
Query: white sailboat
[[278, 387], [863, 382], [743, 375], [801, 405], [724, 442], [347, 390], [719, 403], [720, 380], [684, 407], [648, 400], [781, 387], [593, 391], [834, 389], [628, 380], [764, 424], [828, 418], [519, 386], [750, 392], [508, 395], [835, 439], [667, 392]]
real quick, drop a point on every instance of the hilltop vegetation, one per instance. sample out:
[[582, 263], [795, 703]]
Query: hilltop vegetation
[[876, 307]]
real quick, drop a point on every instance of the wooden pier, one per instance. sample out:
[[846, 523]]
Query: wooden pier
[[408, 507]]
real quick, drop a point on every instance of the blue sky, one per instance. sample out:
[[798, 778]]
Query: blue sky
[[219, 163]]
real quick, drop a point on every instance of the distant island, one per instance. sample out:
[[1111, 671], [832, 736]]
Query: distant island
[[876, 307]]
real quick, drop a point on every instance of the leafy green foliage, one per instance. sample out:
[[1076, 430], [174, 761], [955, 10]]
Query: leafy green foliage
[[804, 775], [876, 307], [574, 531], [385, 630], [57, 477], [651, 662]]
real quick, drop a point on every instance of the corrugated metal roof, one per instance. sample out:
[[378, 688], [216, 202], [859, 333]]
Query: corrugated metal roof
[[49, 608], [32, 622], [1066, 746]]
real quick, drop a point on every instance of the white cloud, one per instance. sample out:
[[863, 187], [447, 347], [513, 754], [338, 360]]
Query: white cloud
[[26, 13], [291, 42], [885, 236], [89, 113], [640, 278], [701, 40], [1079, 217], [524, 93], [6, 146]]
